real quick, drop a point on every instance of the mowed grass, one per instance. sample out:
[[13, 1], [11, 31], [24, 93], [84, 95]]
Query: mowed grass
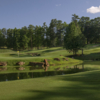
[[79, 86], [11, 57]]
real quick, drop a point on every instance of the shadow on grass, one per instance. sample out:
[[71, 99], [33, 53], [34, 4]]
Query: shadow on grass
[[46, 51], [74, 87], [22, 55], [92, 58]]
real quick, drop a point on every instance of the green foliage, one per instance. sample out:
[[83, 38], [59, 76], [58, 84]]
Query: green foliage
[[2, 39], [74, 39], [24, 39]]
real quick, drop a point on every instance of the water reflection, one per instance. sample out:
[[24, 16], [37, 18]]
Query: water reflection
[[25, 75]]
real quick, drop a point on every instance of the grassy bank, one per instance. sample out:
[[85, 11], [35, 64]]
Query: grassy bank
[[11, 57], [77, 86], [80, 86]]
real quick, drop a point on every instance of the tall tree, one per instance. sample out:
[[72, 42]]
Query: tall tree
[[24, 39], [84, 23], [45, 35], [74, 39], [39, 36], [31, 29], [10, 38], [16, 39], [53, 32], [59, 33], [4, 32], [2, 39], [75, 18]]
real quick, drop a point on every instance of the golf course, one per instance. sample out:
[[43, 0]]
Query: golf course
[[50, 50], [83, 85]]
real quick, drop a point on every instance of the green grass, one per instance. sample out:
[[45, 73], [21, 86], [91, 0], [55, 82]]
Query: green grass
[[11, 57], [79, 86]]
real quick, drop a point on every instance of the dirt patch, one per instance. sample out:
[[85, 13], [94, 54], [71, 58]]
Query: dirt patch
[[3, 69], [40, 64], [20, 68], [3, 64], [34, 54], [57, 59], [20, 63]]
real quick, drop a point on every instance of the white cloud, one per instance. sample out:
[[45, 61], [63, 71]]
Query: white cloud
[[58, 4], [93, 10]]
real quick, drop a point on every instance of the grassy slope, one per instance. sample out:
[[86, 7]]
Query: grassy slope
[[11, 57], [79, 86]]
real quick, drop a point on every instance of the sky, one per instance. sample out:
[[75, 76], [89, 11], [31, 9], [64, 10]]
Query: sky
[[20, 13]]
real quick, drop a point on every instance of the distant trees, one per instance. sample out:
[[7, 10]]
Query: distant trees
[[34, 36], [58, 33]]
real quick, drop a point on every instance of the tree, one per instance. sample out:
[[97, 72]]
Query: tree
[[45, 35], [59, 33], [16, 39], [2, 39], [4, 32], [75, 19], [39, 36], [84, 23], [10, 38], [31, 35], [53, 32], [24, 40], [74, 39]]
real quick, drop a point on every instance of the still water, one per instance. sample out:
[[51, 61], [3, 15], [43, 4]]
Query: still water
[[26, 75]]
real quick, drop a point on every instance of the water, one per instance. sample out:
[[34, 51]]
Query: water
[[26, 75]]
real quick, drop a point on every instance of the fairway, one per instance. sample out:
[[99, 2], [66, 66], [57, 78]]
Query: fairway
[[77, 86], [80, 86], [48, 51]]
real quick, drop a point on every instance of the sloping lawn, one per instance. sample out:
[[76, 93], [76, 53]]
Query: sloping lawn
[[79, 86]]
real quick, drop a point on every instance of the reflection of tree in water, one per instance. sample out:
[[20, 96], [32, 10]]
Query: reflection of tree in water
[[25, 75]]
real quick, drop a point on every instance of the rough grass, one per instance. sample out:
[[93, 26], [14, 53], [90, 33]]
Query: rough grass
[[79, 86]]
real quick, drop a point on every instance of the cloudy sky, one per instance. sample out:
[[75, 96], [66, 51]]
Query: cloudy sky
[[19, 13]]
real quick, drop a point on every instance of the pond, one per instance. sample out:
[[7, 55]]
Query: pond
[[26, 75]]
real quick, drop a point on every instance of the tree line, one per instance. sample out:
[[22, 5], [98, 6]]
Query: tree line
[[58, 33]]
